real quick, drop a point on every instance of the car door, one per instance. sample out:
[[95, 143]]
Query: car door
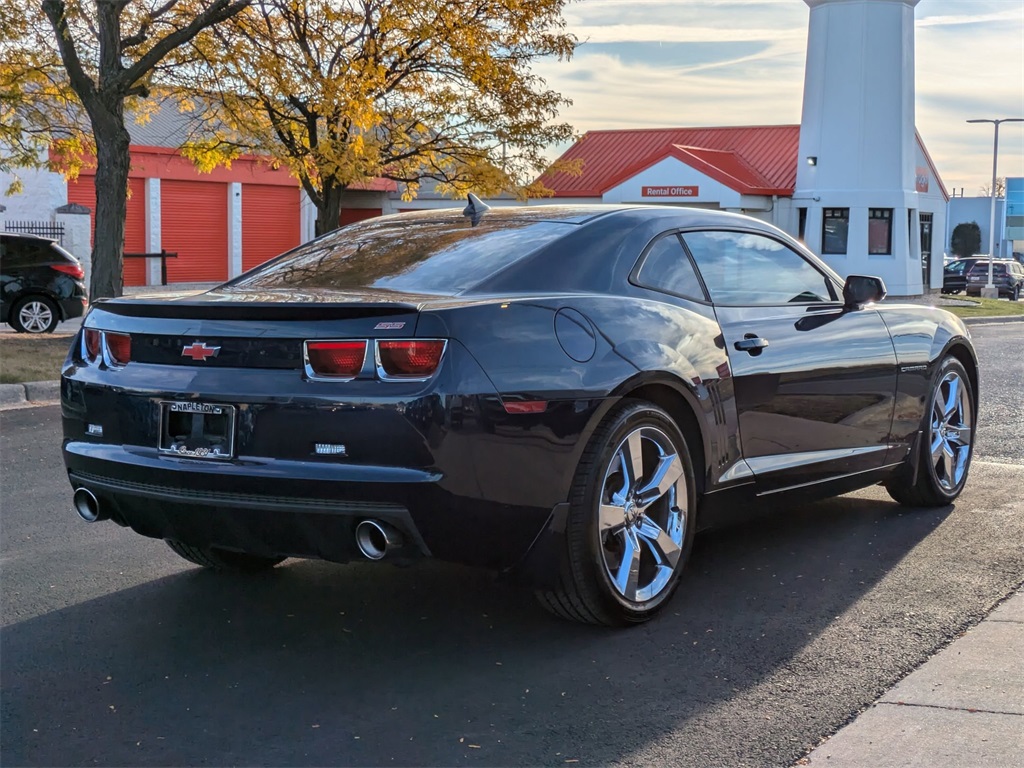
[[954, 277], [815, 382], [1017, 279], [12, 264]]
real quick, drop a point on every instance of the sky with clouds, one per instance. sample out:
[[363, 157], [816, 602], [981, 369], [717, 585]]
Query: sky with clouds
[[663, 63]]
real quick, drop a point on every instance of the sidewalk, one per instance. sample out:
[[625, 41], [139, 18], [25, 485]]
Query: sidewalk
[[963, 708]]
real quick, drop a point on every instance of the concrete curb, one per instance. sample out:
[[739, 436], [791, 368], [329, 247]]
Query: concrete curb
[[12, 395], [42, 391], [28, 394], [998, 319]]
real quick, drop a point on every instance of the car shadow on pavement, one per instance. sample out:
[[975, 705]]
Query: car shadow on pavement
[[368, 664]]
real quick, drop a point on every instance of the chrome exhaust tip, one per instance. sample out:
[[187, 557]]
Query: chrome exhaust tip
[[377, 539], [87, 505]]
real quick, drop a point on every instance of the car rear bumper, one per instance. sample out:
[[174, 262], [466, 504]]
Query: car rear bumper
[[270, 508], [460, 478], [73, 307], [1004, 290]]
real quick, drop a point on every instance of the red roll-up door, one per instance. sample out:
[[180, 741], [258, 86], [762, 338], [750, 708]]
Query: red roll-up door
[[194, 224], [270, 222], [352, 215], [83, 191]]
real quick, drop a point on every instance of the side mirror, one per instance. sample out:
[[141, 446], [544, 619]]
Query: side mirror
[[862, 289]]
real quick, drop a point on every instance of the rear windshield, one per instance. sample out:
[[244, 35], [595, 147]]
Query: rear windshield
[[419, 256], [982, 266]]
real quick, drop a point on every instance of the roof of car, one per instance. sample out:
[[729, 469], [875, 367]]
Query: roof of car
[[575, 214], [26, 236]]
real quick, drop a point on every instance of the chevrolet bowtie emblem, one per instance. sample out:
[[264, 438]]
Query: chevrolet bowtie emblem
[[199, 351]]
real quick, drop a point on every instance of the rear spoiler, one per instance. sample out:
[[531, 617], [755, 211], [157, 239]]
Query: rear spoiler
[[251, 310]]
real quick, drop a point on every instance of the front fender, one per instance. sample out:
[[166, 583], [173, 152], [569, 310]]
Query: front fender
[[922, 337]]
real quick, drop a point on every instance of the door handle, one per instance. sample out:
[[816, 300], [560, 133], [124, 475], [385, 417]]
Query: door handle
[[751, 343]]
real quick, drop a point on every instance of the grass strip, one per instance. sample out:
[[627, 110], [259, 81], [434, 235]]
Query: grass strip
[[25, 357], [987, 307]]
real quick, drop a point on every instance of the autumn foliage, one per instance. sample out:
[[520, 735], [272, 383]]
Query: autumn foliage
[[344, 91], [340, 92]]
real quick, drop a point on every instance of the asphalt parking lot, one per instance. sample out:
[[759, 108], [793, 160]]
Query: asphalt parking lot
[[116, 652]]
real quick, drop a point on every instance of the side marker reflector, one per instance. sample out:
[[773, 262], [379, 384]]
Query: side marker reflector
[[526, 406]]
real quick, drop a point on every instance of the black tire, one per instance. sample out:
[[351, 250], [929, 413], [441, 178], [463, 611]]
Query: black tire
[[949, 425], [34, 314], [222, 559], [1016, 293], [655, 533]]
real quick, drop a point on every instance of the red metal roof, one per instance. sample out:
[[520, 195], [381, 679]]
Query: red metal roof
[[756, 160]]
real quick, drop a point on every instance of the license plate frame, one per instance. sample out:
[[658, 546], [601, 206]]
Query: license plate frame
[[197, 430]]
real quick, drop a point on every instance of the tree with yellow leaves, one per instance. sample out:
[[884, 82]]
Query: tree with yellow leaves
[[69, 69], [345, 91]]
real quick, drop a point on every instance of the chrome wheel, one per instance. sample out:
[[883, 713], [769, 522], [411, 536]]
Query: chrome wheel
[[35, 316], [642, 514], [952, 425]]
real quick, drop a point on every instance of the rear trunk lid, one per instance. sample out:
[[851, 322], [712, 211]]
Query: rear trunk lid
[[252, 329]]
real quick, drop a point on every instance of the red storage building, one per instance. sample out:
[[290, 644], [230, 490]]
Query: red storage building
[[270, 222], [194, 222]]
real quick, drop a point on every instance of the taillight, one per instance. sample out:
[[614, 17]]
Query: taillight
[[409, 358], [119, 347], [91, 348], [339, 359], [75, 270]]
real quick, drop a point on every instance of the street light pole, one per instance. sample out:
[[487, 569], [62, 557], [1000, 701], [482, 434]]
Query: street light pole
[[989, 291]]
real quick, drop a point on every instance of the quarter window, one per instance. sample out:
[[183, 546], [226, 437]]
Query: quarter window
[[880, 230], [667, 268], [744, 268], [21, 253], [835, 229]]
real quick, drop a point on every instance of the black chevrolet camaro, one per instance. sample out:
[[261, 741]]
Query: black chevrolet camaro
[[561, 394]]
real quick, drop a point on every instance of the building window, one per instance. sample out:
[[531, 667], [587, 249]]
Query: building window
[[802, 225], [879, 230], [835, 229]]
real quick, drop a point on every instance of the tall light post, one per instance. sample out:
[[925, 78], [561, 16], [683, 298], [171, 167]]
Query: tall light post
[[989, 291]]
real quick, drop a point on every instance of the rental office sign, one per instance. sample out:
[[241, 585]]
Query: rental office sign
[[669, 191]]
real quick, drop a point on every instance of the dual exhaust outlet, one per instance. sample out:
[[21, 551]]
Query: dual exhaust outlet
[[374, 538]]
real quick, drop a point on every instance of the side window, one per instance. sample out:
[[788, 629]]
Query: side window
[[667, 268], [15, 254], [744, 268], [22, 253]]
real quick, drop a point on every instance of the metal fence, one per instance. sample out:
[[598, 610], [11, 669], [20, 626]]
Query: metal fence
[[53, 230]]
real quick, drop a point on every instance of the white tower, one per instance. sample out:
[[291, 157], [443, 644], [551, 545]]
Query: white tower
[[856, 171]]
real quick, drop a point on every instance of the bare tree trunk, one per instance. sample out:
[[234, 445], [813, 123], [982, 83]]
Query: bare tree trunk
[[328, 213], [112, 162]]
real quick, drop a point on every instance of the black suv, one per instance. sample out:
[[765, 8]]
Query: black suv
[[954, 274], [1007, 276], [41, 284]]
